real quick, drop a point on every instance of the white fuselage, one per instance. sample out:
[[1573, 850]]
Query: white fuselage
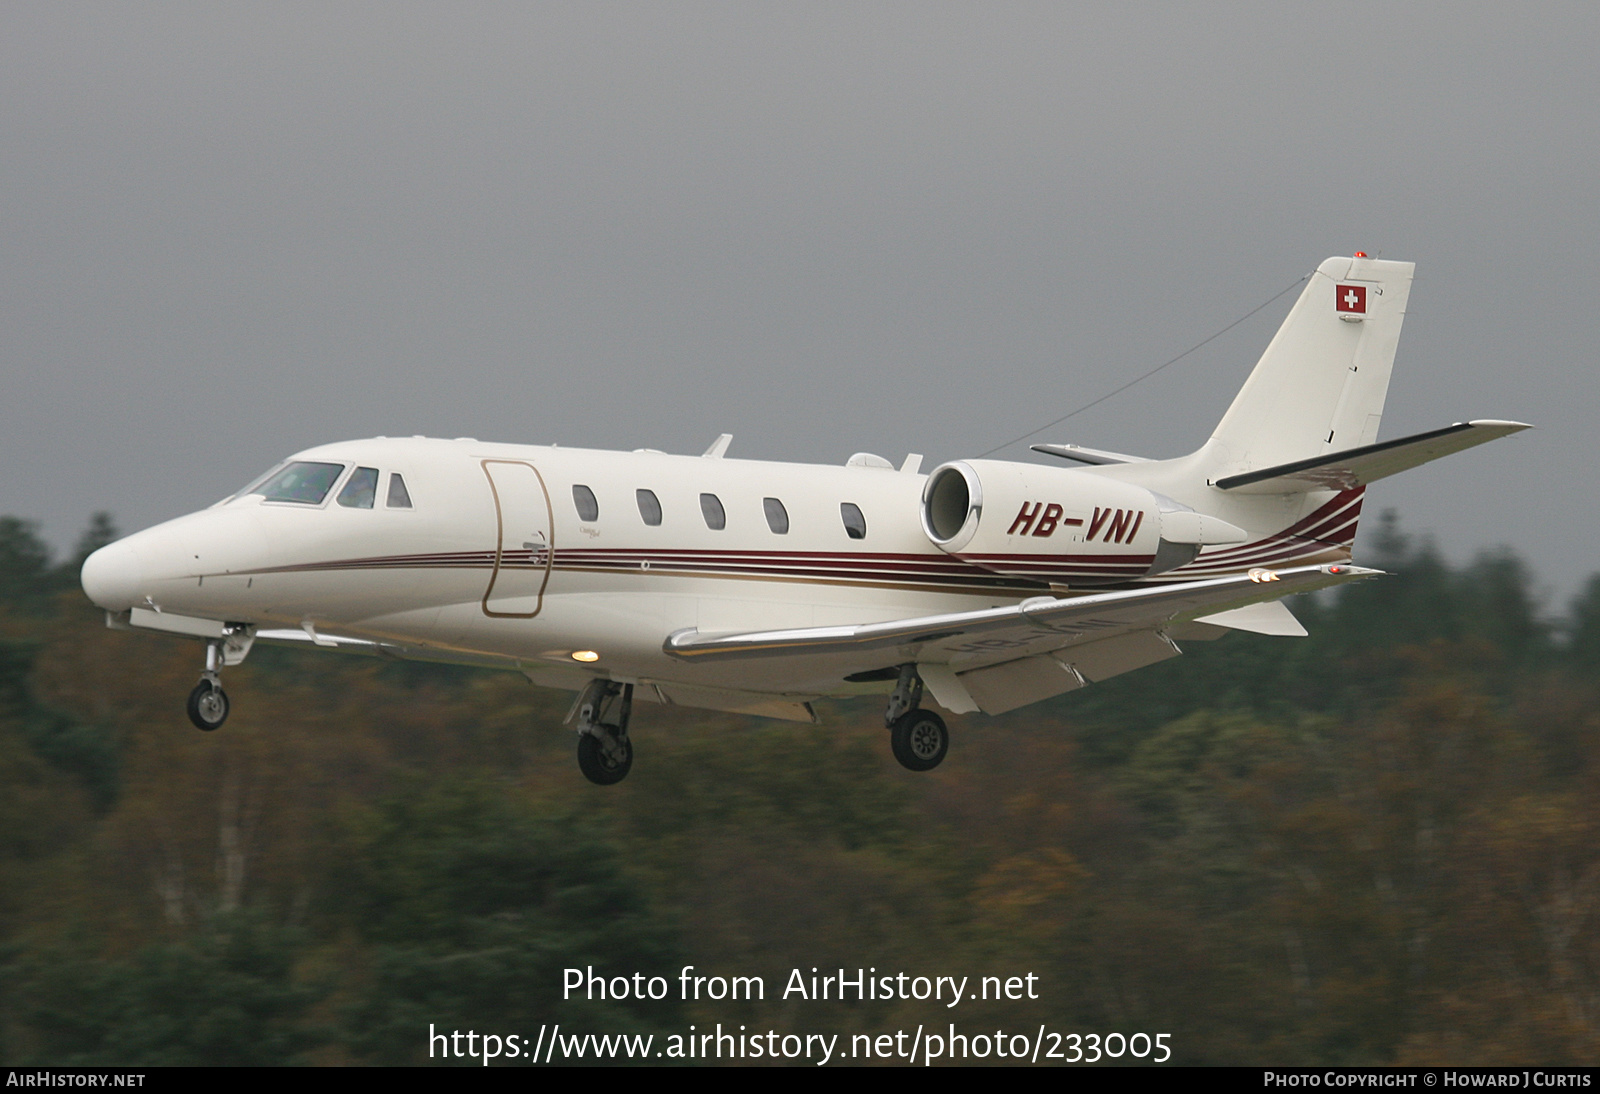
[[494, 561]]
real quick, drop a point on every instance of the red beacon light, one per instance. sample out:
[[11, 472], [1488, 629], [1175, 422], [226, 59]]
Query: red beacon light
[[1361, 254]]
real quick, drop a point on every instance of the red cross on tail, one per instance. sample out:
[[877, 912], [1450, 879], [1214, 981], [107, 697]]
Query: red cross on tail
[[1351, 299]]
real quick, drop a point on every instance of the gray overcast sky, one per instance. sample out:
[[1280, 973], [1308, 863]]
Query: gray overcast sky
[[232, 231]]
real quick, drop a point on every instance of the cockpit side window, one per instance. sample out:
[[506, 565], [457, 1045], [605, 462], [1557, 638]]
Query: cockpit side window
[[362, 489], [399, 498], [303, 481]]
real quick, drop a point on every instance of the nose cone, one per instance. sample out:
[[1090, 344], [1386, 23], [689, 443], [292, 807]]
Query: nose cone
[[111, 576]]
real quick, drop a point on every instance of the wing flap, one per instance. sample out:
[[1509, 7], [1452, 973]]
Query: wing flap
[[1000, 688], [1356, 467], [1012, 684], [789, 708], [1271, 617]]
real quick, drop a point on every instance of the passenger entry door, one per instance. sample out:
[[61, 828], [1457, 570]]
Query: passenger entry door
[[523, 550]]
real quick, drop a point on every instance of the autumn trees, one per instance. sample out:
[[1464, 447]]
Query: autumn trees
[[1374, 845]]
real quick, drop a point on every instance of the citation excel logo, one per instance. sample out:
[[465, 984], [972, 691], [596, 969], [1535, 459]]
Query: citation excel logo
[[1351, 299], [1108, 525]]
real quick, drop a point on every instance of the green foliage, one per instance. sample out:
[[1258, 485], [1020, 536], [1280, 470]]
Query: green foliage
[[224, 996], [475, 902], [24, 563], [812, 784], [1583, 649], [1374, 845], [80, 748]]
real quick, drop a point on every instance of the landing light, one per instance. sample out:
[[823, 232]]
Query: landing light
[[1259, 574], [585, 655]]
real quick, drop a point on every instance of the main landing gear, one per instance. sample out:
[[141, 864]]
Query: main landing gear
[[208, 703], [919, 738], [605, 754]]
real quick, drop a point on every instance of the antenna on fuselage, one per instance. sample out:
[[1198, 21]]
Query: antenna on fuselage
[[718, 447]]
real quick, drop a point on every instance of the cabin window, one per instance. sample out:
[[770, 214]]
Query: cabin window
[[588, 507], [362, 489], [855, 524], [399, 498], [777, 515], [649, 506], [711, 509], [302, 481]]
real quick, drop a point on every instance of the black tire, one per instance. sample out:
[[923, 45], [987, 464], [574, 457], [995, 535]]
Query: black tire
[[599, 768], [208, 706], [919, 739]]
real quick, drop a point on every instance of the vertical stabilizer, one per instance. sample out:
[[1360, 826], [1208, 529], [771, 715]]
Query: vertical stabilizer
[[1321, 384]]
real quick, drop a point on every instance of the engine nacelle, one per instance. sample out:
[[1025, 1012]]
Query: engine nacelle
[[1061, 526]]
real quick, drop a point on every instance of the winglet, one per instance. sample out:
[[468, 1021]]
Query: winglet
[[718, 447]]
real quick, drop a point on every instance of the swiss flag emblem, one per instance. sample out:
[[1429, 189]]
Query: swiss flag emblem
[[1351, 299]]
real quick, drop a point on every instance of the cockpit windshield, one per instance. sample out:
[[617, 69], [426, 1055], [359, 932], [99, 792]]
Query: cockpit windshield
[[301, 481]]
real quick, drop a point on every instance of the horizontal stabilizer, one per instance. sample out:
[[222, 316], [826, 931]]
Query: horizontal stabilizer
[[1096, 456], [1356, 467]]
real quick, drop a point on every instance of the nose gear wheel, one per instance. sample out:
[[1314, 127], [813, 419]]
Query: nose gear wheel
[[208, 706]]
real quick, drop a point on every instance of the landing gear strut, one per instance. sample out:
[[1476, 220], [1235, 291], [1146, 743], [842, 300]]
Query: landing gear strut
[[605, 754], [208, 703], [918, 738]]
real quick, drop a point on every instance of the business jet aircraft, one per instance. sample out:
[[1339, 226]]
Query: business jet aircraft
[[759, 587]]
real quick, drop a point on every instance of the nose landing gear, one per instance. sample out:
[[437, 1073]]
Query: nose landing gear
[[208, 703], [605, 753], [918, 738]]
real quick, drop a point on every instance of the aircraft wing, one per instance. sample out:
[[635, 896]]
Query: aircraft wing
[[1039, 624], [1358, 466]]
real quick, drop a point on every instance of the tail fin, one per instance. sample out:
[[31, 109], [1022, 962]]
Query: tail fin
[[1291, 459], [1321, 384]]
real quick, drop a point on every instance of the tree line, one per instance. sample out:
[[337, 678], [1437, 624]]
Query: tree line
[[1375, 845]]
